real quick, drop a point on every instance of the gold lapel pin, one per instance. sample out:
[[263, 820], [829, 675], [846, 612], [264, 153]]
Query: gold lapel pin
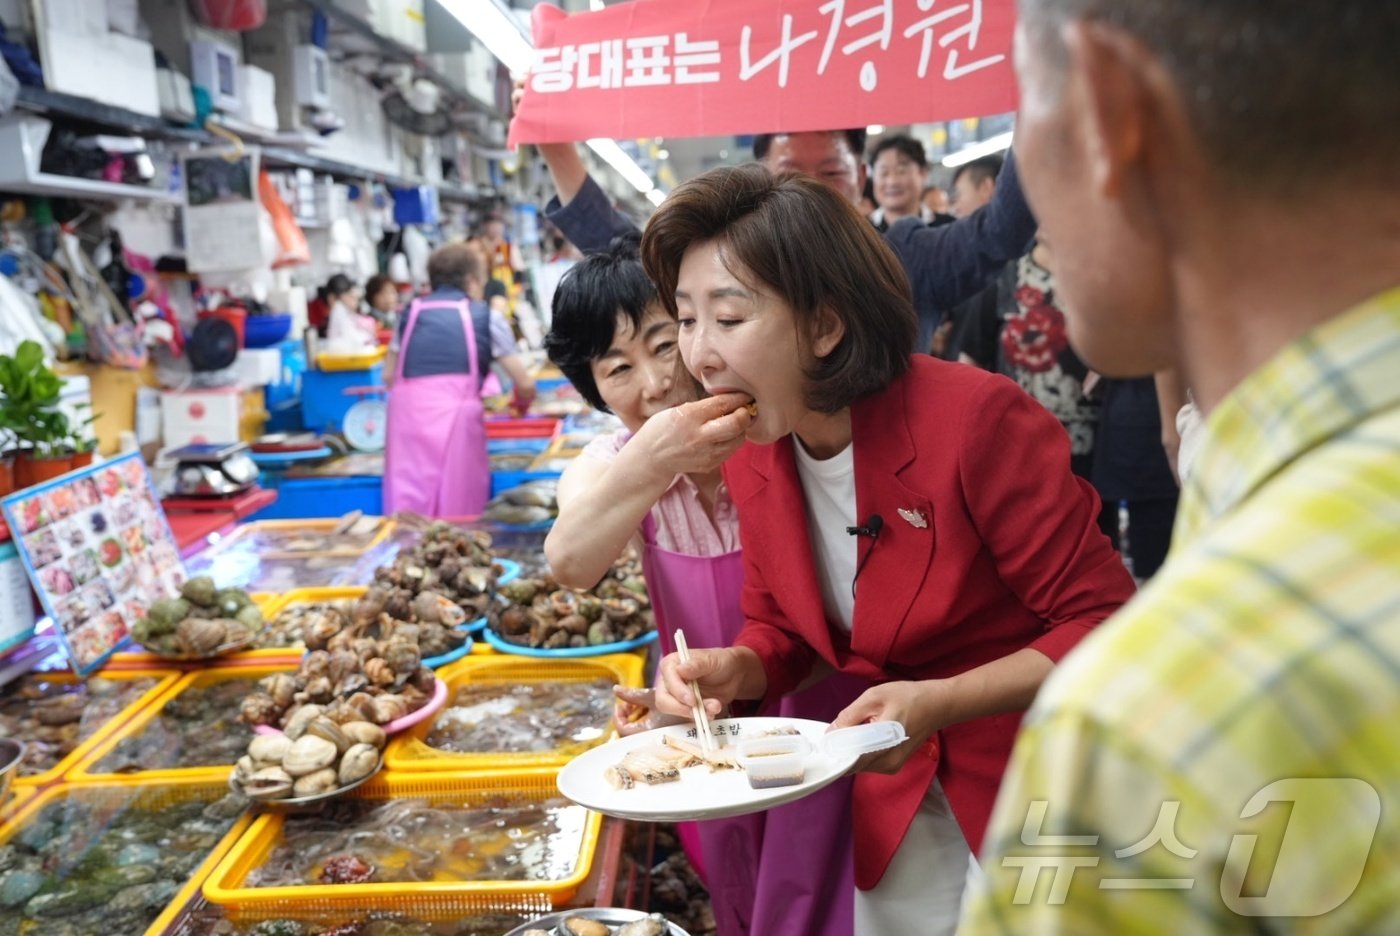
[[915, 518]]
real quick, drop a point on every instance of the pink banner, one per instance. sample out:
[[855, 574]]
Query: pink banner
[[689, 68]]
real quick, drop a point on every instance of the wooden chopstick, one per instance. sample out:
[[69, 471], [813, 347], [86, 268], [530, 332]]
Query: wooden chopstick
[[702, 721]]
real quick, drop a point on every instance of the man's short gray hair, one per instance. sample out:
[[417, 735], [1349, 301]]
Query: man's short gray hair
[[1285, 94]]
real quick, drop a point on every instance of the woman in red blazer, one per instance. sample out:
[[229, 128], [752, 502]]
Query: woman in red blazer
[[903, 519]]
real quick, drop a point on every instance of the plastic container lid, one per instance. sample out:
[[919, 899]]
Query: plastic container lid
[[863, 739]]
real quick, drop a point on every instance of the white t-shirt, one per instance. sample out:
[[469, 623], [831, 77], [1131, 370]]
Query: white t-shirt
[[829, 486], [349, 332]]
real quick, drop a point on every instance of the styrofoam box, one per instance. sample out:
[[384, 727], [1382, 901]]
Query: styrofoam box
[[259, 92], [192, 417], [258, 367]]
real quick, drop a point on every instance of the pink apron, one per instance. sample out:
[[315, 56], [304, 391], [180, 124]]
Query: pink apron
[[789, 871], [435, 459]]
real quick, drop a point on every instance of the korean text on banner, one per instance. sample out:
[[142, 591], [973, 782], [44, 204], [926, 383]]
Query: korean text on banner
[[657, 68]]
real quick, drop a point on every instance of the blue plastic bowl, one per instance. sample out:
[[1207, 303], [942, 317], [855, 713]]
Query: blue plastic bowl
[[264, 331]]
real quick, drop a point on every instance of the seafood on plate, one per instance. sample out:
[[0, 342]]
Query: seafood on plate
[[537, 612], [326, 758], [204, 621]]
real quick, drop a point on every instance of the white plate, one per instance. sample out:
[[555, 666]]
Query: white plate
[[700, 793]]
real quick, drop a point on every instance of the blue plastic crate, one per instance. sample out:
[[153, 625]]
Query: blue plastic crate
[[531, 446], [505, 480], [324, 401], [312, 498]]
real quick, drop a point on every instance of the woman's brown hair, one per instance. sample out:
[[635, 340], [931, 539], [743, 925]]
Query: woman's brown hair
[[804, 242]]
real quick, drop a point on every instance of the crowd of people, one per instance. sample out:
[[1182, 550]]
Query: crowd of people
[[882, 474]]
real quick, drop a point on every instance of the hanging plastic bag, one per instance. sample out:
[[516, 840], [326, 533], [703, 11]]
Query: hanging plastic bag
[[292, 249]]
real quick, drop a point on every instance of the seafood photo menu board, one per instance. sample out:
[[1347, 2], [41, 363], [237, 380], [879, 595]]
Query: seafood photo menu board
[[98, 551]]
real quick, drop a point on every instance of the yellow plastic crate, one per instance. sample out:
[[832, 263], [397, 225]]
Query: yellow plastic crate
[[327, 361], [410, 750], [225, 886], [152, 795], [86, 770], [165, 678], [18, 797]]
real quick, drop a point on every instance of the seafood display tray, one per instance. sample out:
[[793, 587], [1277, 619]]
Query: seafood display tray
[[226, 886], [611, 916], [251, 531], [139, 658], [165, 678], [502, 645], [305, 596], [148, 795], [410, 752], [201, 678]]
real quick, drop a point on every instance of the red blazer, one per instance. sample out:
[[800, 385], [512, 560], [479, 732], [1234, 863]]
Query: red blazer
[[1011, 557]]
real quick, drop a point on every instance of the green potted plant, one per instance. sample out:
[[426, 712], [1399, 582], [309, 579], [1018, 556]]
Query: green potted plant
[[82, 441], [29, 414]]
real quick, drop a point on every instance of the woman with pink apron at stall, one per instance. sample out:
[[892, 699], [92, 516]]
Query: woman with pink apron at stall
[[435, 460], [656, 485]]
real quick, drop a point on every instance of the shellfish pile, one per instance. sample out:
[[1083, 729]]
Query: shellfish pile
[[313, 757], [526, 505], [536, 612], [653, 925], [353, 679], [448, 561], [201, 622]]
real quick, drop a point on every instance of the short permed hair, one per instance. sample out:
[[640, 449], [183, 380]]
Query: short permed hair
[[588, 302], [855, 140], [758, 217], [906, 146], [450, 265], [1252, 73]]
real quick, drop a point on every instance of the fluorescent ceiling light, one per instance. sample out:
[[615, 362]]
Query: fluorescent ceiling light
[[497, 29], [656, 197], [595, 5], [875, 129], [626, 166], [996, 144], [502, 35]]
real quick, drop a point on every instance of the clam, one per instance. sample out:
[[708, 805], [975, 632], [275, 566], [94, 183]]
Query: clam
[[296, 722], [309, 754], [380, 672], [268, 783], [323, 727], [363, 732], [361, 707], [269, 749], [359, 762], [320, 781], [653, 925], [199, 637], [244, 769], [579, 926], [388, 708]]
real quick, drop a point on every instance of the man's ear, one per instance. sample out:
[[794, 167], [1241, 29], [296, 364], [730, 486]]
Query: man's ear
[[1105, 63]]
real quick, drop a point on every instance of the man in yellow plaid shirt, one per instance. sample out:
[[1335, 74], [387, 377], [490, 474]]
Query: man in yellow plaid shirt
[[1218, 179]]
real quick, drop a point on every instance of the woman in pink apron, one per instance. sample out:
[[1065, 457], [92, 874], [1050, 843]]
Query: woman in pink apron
[[657, 484], [435, 459]]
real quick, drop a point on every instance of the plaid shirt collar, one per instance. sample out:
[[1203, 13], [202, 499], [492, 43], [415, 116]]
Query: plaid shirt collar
[[1326, 382]]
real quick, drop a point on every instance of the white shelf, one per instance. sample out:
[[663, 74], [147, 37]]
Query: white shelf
[[45, 183]]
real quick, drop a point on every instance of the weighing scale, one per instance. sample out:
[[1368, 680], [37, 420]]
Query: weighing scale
[[366, 424], [214, 470]]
